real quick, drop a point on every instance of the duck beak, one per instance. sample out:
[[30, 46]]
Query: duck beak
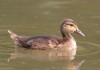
[[79, 32]]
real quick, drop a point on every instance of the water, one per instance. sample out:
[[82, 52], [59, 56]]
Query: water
[[43, 17]]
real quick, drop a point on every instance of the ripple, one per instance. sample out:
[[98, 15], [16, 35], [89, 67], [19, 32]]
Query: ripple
[[84, 48], [52, 4], [6, 47], [87, 48]]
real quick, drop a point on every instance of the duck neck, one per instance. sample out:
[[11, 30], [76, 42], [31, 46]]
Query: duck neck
[[65, 35]]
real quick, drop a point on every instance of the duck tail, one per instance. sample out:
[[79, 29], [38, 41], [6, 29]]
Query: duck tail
[[14, 36]]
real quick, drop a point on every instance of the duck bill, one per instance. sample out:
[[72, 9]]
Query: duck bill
[[79, 32]]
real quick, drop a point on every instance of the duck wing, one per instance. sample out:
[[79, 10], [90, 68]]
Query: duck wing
[[38, 42], [42, 42]]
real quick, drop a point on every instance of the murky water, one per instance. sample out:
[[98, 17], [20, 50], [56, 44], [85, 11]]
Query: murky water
[[43, 17]]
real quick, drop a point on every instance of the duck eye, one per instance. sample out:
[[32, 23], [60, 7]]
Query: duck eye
[[71, 24]]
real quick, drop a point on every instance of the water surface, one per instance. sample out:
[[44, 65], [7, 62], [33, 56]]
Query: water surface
[[43, 17]]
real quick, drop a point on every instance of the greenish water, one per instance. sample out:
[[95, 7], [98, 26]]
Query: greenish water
[[43, 17]]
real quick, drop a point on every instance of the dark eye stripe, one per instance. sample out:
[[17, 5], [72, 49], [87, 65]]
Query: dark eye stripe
[[71, 24]]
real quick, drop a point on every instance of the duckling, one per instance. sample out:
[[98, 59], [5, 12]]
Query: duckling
[[67, 27]]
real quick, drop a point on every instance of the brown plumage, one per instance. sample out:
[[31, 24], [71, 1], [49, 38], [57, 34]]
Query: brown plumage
[[46, 42]]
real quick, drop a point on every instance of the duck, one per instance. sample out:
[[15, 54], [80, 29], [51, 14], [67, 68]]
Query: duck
[[67, 27]]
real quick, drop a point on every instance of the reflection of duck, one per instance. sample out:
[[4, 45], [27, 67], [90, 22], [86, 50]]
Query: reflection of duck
[[44, 42], [47, 54], [31, 58]]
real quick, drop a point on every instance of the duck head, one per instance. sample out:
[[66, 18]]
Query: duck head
[[70, 26]]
